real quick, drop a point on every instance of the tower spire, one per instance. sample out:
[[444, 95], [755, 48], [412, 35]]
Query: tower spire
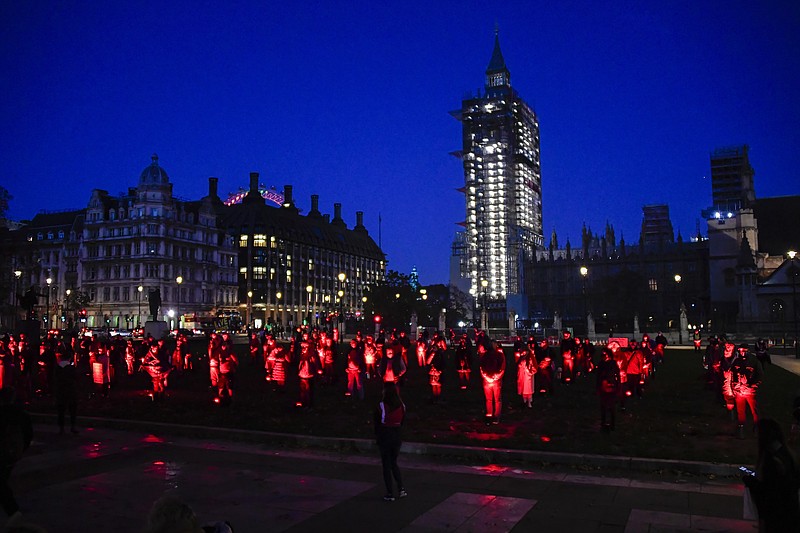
[[497, 74]]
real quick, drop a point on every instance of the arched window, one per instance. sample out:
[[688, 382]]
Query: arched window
[[777, 311]]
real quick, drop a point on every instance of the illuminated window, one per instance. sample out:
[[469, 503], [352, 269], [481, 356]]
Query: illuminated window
[[259, 240], [259, 272], [243, 272], [311, 264], [653, 284], [243, 241]]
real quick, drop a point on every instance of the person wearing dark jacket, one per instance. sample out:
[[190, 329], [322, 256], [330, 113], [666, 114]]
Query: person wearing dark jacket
[[16, 432], [66, 385], [608, 388], [776, 481], [389, 417]]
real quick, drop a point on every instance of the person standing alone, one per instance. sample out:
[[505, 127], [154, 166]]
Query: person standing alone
[[389, 417]]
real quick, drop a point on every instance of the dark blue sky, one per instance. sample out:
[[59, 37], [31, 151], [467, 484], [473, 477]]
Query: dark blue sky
[[350, 100]]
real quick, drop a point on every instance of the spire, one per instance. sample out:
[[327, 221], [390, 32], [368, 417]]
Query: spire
[[746, 260], [497, 74]]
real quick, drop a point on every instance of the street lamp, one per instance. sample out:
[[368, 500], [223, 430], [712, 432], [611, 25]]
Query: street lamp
[[342, 278], [585, 274], [678, 280], [249, 307], [278, 311], [793, 271], [484, 311], [139, 289], [309, 290], [49, 281], [66, 306], [17, 276], [179, 280]]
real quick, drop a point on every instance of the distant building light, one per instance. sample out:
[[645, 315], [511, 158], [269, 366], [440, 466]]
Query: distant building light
[[730, 215], [717, 214]]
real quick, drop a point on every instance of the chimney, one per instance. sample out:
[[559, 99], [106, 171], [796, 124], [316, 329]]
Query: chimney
[[327, 217], [314, 206], [212, 186], [253, 196], [360, 222], [337, 215], [287, 196]]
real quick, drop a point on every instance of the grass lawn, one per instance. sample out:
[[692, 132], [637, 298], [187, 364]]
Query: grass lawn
[[678, 418]]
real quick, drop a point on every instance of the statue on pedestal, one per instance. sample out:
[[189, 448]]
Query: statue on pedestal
[[154, 299]]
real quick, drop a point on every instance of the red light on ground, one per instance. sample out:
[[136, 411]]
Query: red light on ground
[[493, 469], [153, 438], [159, 463], [216, 399], [544, 438], [627, 393]]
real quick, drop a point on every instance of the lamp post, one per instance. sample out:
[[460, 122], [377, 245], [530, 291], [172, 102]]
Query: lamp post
[[484, 311], [139, 289], [585, 274], [309, 290], [278, 310], [17, 276], [179, 280], [342, 278], [49, 282], [678, 280], [66, 306], [249, 308], [793, 271]]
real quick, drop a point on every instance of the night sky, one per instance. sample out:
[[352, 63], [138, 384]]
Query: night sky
[[350, 100]]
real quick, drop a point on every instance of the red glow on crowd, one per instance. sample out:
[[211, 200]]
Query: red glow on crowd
[[544, 438]]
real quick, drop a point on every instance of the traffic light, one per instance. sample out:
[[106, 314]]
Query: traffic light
[[377, 319], [82, 315]]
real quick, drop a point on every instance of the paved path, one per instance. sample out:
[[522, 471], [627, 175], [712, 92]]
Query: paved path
[[106, 480]]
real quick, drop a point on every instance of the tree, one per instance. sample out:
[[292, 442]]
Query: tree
[[5, 200], [392, 300]]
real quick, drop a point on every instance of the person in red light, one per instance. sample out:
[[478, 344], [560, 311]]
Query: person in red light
[[159, 371], [228, 363], [307, 369], [526, 369], [493, 367], [213, 359], [255, 348], [578, 358], [633, 367], [697, 339], [389, 418], [422, 351], [392, 367], [726, 364], [277, 363], [608, 386], [463, 363], [356, 370], [546, 368], [370, 356], [435, 363], [568, 350], [746, 376]]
